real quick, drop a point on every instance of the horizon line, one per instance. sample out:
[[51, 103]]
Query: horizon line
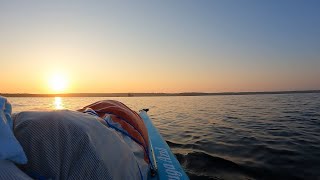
[[132, 94]]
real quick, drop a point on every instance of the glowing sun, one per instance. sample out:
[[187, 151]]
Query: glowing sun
[[58, 83]]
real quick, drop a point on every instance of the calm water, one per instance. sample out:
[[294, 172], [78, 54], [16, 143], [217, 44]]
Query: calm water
[[227, 137]]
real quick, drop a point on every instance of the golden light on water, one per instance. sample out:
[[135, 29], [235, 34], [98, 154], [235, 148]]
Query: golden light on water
[[58, 103]]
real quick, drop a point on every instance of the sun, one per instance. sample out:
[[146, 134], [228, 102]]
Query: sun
[[58, 83]]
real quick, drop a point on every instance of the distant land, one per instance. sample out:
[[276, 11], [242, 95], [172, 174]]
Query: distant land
[[151, 94]]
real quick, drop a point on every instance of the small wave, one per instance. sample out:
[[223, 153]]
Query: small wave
[[292, 112], [184, 146], [231, 117], [200, 165]]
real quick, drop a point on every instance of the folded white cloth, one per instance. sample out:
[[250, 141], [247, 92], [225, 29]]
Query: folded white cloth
[[73, 145]]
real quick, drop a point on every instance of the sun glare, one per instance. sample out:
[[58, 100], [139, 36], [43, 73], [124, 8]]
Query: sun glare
[[58, 83], [57, 103]]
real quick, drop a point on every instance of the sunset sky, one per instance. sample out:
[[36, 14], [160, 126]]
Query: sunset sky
[[164, 46]]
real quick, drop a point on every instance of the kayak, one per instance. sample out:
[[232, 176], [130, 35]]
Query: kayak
[[166, 166]]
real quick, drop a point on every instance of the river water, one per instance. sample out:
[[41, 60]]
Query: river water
[[226, 137]]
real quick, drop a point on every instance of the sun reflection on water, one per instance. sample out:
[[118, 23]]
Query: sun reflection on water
[[57, 102]]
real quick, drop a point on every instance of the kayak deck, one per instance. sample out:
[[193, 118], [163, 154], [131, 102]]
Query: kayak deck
[[166, 165]]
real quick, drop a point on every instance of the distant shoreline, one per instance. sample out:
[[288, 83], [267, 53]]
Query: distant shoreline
[[151, 94]]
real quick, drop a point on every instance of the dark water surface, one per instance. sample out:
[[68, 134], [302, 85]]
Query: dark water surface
[[228, 137]]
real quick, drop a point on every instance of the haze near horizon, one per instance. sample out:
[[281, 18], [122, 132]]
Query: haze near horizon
[[167, 46]]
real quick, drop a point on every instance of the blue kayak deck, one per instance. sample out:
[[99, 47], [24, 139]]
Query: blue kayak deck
[[168, 167]]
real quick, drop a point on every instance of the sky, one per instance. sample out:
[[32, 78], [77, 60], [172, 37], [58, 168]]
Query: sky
[[159, 46]]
